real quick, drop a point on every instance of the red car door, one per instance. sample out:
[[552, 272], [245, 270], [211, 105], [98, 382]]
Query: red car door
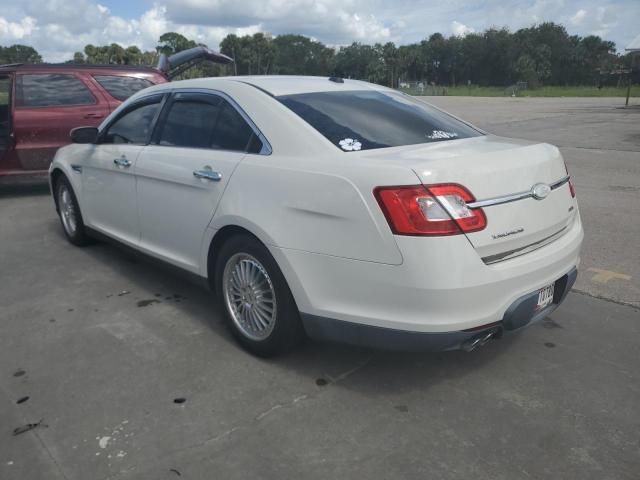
[[47, 106]]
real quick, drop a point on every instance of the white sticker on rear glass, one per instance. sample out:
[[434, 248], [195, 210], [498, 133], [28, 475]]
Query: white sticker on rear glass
[[349, 144], [441, 134]]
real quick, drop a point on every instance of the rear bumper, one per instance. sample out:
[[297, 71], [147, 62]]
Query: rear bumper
[[521, 313], [442, 286]]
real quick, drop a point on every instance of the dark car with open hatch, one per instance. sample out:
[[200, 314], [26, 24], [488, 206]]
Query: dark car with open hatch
[[41, 103]]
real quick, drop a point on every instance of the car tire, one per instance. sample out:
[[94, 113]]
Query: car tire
[[256, 302], [69, 213]]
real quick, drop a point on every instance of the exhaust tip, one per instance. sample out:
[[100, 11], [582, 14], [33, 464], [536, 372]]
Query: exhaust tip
[[479, 340]]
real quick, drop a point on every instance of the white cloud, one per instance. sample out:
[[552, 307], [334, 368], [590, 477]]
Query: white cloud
[[332, 21], [460, 29], [578, 18], [57, 28], [17, 30], [596, 20]]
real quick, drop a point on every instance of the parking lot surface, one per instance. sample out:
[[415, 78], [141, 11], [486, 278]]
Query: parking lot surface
[[132, 375]]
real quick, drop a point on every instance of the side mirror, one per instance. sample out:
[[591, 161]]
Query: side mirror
[[84, 135]]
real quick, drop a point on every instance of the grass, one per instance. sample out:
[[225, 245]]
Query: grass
[[551, 91]]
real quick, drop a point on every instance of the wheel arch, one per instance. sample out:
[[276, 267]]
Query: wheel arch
[[220, 237], [58, 172], [54, 178], [228, 231]]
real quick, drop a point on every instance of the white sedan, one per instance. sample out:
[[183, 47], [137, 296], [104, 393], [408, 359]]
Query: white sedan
[[333, 208]]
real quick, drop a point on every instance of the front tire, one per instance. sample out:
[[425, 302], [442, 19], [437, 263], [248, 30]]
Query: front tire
[[256, 301], [69, 213]]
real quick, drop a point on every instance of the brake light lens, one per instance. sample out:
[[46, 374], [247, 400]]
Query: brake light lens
[[572, 188], [431, 210]]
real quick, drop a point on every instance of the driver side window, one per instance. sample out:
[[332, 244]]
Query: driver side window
[[135, 125]]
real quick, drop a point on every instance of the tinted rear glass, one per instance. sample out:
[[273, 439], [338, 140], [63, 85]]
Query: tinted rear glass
[[363, 120], [190, 122], [51, 90], [121, 87], [232, 132]]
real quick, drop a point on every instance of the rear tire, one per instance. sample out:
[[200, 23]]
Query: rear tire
[[69, 213], [257, 304]]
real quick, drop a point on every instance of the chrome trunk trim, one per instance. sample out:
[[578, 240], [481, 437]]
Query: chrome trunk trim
[[516, 252], [514, 196]]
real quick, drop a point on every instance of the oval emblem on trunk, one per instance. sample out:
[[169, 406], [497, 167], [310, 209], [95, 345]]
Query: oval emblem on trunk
[[540, 191]]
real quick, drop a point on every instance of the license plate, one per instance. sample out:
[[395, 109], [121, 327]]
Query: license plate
[[545, 296]]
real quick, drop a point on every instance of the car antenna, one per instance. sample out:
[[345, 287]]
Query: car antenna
[[336, 79]]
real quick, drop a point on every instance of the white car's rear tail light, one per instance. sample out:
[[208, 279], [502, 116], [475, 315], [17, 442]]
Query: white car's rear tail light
[[572, 188], [430, 210]]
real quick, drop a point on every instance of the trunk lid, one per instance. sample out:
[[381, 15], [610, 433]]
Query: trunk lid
[[491, 168]]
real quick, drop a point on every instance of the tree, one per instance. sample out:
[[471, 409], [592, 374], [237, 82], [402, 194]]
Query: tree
[[172, 42], [19, 54], [391, 59], [299, 55], [540, 54]]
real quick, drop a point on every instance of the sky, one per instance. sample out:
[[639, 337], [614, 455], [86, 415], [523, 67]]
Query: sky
[[57, 28]]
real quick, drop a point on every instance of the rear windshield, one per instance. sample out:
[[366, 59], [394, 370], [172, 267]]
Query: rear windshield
[[364, 120], [121, 87]]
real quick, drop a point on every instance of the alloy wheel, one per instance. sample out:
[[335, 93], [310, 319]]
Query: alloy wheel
[[67, 210], [250, 296]]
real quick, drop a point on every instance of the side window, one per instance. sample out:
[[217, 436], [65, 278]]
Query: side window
[[122, 87], [5, 91], [232, 131], [51, 90], [135, 125], [190, 121], [255, 144]]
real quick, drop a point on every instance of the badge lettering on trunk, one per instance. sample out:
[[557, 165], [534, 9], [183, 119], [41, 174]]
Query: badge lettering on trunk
[[506, 234]]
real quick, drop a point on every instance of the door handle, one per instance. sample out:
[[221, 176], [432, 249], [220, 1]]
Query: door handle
[[122, 162], [208, 174], [93, 115]]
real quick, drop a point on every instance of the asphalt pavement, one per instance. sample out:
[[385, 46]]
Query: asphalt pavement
[[113, 367]]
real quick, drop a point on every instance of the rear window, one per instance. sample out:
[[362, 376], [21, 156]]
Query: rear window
[[121, 87], [232, 132], [364, 120], [51, 90]]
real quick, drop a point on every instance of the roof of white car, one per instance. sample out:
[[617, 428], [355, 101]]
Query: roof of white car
[[281, 84]]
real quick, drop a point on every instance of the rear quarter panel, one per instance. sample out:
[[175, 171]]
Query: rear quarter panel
[[308, 195]]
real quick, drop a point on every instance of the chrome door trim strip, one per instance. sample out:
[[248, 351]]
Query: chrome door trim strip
[[514, 196]]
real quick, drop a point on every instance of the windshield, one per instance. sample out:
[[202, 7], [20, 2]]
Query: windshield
[[364, 120]]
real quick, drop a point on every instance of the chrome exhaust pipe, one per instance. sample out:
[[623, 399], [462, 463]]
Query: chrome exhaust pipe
[[477, 341]]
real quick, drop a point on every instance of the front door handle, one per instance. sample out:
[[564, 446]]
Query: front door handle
[[122, 162], [208, 174], [94, 115]]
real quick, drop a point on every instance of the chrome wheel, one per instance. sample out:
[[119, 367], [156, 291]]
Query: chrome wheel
[[67, 210], [249, 296]]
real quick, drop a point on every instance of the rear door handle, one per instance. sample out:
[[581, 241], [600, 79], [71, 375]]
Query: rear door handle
[[93, 115], [208, 174], [122, 162]]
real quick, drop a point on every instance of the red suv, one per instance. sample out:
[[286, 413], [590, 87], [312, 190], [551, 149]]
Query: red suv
[[40, 103]]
